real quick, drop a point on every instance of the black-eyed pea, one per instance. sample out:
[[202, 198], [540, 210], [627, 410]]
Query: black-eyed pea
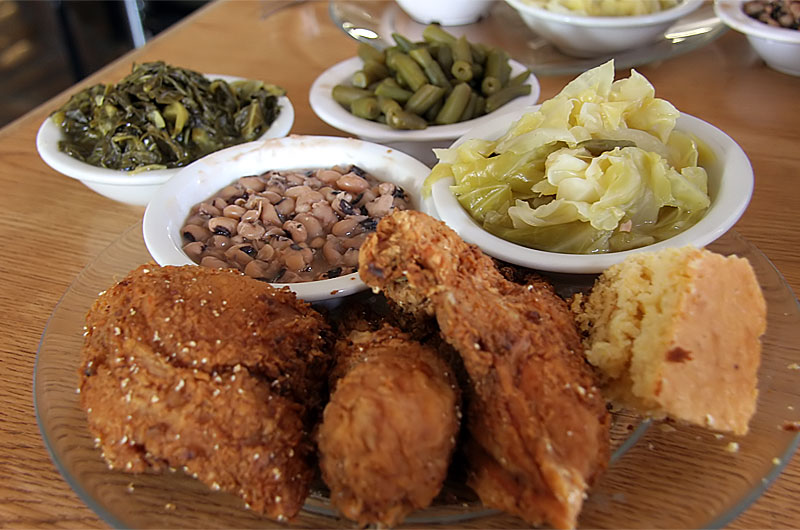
[[233, 211], [218, 241], [251, 231], [332, 251], [250, 216], [329, 193], [253, 183], [350, 257], [352, 183], [279, 243], [293, 259], [197, 219], [229, 193], [273, 231], [285, 207], [328, 176], [219, 203], [295, 179], [386, 188], [208, 209], [271, 196], [257, 269], [317, 242], [214, 262], [297, 231], [224, 226], [194, 250], [238, 239], [355, 241], [269, 215], [289, 277], [195, 233], [324, 214], [346, 227], [265, 253], [342, 205], [380, 206], [304, 201], [366, 197], [311, 224]]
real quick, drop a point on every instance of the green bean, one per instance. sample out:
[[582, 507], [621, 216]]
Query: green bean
[[370, 53], [461, 50], [401, 119], [431, 113], [500, 98], [403, 43], [390, 54], [479, 52], [432, 69], [490, 85], [454, 104], [435, 33], [388, 105], [371, 72], [346, 94], [444, 56], [520, 78], [389, 88], [469, 109], [480, 107], [462, 71], [409, 71], [366, 107], [424, 98], [497, 66]]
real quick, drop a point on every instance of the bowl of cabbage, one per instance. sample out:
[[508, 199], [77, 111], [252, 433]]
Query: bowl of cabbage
[[586, 28], [600, 171]]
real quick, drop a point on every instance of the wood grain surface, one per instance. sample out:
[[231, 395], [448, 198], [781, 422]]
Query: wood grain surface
[[52, 226]]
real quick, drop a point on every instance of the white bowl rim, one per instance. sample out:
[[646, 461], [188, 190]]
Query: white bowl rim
[[334, 114], [727, 207], [164, 250], [50, 134], [659, 17], [730, 12]]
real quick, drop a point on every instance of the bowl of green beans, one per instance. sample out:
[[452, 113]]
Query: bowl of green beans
[[417, 96]]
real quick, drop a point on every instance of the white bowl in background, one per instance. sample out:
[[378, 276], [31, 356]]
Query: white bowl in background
[[730, 186], [778, 47], [135, 188], [596, 36], [445, 12], [418, 143], [166, 213]]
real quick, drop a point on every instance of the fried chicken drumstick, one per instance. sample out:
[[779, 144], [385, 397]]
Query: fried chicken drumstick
[[539, 428], [390, 427], [209, 371]]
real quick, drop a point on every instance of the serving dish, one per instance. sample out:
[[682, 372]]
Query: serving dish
[[778, 47], [730, 186], [168, 210], [374, 21], [662, 475], [135, 188], [598, 36], [417, 143], [444, 12]]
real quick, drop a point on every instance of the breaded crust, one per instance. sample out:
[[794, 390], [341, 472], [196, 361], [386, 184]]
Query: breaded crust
[[209, 371]]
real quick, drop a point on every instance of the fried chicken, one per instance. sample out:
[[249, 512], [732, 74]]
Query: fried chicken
[[209, 371], [390, 427], [539, 427]]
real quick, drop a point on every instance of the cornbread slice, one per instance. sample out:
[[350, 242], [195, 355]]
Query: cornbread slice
[[677, 333]]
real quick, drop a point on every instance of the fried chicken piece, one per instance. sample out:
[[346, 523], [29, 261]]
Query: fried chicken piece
[[540, 429], [209, 371], [390, 427]]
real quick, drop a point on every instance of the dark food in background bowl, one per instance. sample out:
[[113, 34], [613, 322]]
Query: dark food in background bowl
[[162, 116], [290, 226], [439, 81], [778, 13]]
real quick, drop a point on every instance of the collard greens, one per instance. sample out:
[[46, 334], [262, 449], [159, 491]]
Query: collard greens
[[161, 116], [597, 168]]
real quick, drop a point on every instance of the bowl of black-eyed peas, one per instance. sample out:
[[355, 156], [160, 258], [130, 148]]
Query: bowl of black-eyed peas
[[292, 211], [420, 95]]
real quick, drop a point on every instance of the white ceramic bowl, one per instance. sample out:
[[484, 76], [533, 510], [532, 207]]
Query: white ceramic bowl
[[418, 144], [124, 186], [779, 47], [594, 36], [166, 213], [730, 186], [445, 12]]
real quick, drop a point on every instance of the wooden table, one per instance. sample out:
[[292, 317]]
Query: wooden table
[[52, 226]]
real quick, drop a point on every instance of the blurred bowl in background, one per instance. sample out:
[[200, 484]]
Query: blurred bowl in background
[[778, 47], [446, 12], [594, 36]]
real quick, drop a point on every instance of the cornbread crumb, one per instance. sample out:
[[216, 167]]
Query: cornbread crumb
[[677, 333]]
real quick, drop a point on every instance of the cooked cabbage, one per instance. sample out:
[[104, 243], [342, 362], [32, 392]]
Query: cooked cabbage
[[597, 168]]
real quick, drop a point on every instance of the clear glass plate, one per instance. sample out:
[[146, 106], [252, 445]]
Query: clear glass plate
[[374, 22], [661, 475]]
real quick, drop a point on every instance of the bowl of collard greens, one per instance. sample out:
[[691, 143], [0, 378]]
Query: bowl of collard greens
[[125, 140]]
